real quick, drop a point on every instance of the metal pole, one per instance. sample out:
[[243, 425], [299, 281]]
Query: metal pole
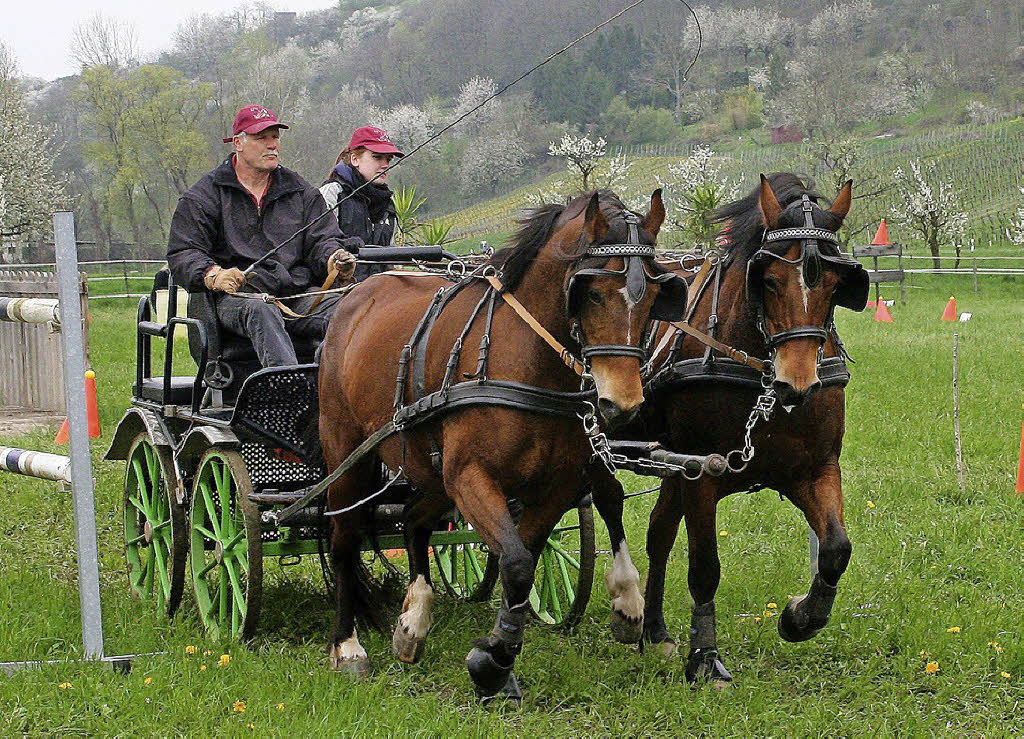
[[956, 414], [81, 462]]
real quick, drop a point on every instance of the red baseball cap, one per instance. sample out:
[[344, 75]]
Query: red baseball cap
[[253, 119], [375, 139]]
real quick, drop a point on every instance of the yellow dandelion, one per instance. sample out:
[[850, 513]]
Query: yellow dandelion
[[1004, 673], [202, 667], [207, 652], [723, 532], [280, 706], [65, 686], [992, 644], [923, 653], [773, 605], [251, 727], [999, 649], [768, 614], [871, 504], [148, 681], [757, 619], [239, 706], [225, 660], [953, 630], [191, 649], [931, 668]]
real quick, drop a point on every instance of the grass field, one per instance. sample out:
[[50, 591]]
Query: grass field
[[935, 577]]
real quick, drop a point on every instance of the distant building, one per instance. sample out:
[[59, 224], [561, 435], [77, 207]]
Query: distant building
[[787, 135]]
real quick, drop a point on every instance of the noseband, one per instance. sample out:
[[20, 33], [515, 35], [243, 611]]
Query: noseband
[[671, 300]]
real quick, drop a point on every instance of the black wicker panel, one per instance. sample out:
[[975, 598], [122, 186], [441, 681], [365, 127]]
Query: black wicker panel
[[280, 405], [278, 467]]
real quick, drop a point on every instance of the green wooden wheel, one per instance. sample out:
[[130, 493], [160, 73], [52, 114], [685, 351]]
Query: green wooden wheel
[[154, 527], [226, 549], [565, 571], [466, 570]]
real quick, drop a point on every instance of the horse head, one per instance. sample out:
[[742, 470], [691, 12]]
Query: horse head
[[796, 279], [612, 290]]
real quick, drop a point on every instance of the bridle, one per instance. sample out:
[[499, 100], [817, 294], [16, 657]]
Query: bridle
[[637, 257], [810, 262]]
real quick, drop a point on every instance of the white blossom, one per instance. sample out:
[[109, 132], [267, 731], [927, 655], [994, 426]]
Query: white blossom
[[581, 155], [695, 186], [365, 23], [1016, 233], [928, 205], [472, 94], [407, 125], [491, 161]]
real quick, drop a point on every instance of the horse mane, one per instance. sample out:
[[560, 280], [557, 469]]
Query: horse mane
[[742, 218], [537, 226]]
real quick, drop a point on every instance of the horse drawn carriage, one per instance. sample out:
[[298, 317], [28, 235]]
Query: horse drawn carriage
[[223, 472]]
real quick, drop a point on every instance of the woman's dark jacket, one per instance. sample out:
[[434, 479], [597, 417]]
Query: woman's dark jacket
[[368, 216], [218, 222]]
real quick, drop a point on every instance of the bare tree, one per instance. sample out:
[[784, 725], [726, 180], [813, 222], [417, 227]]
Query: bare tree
[[105, 41]]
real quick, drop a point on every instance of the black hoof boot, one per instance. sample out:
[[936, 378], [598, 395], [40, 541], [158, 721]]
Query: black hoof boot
[[511, 692], [490, 678], [704, 666], [805, 615]]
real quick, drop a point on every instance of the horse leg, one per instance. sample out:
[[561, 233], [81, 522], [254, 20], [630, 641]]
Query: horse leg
[[821, 500], [414, 622], [623, 579], [700, 504], [661, 536], [345, 652], [492, 658]]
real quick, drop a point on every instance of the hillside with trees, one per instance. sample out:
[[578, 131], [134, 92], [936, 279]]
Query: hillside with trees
[[127, 135]]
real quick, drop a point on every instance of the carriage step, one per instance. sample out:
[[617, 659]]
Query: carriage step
[[276, 497]]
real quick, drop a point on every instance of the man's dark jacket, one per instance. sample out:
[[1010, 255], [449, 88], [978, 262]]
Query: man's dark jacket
[[217, 222]]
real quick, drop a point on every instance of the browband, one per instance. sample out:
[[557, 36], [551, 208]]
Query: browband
[[789, 234]]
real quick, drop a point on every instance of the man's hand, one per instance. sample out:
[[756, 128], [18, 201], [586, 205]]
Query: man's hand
[[223, 280], [344, 261]]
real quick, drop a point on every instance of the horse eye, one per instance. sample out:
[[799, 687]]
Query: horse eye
[[595, 297], [772, 284]]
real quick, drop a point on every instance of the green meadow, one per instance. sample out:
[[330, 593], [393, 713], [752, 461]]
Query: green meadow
[[936, 579]]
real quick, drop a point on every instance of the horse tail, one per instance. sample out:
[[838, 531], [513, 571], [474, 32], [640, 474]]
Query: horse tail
[[374, 598]]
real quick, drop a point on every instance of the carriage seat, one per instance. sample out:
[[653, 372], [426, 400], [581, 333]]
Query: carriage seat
[[225, 346], [153, 390]]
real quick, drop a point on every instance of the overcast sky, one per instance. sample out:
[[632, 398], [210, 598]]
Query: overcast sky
[[39, 33]]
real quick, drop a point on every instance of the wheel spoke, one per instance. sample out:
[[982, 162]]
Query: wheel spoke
[[161, 568], [136, 540], [567, 581], [209, 566], [140, 479], [138, 504], [211, 510], [225, 594], [236, 586]]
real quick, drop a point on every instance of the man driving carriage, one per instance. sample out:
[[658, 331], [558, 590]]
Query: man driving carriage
[[239, 212]]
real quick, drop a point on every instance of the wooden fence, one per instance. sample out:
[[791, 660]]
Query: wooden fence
[[31, 365]]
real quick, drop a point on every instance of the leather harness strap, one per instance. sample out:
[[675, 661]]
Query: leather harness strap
[[735, 354], [564, 354], [332, 275]]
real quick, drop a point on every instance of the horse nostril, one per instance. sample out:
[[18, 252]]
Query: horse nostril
[[613, 414]]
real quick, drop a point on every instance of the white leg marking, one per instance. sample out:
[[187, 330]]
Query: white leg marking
[[623, 582], [416, 615], [348, 650]]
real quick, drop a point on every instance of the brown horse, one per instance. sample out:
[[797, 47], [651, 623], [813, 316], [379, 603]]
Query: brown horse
[[775, 299], [480, 456]]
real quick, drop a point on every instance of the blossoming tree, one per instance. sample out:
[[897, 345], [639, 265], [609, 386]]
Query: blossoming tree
[[928, 206]]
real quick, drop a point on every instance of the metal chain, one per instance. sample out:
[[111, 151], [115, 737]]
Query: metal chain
[[763, 407]]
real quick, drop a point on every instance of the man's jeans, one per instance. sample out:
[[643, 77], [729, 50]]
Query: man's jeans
[[267, 327]]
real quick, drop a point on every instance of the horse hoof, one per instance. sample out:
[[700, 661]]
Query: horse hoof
[[667, 648], [511, 692], [407, 648], [355, 667], [626, 630], [704, 667], [489, 678], [792, 627]]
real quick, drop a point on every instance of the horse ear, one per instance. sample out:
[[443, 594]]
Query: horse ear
[[655, 216], [841, 205], [595, 225], [769, 205]]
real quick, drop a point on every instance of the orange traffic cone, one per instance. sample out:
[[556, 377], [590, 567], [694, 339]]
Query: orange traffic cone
[[91, 412], [950, 313], [881, 236], [882, 314], [1020, 464]]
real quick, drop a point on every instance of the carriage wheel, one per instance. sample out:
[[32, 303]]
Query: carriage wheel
[[155, 545], [565, 570], [227, 552], [466, 570]]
